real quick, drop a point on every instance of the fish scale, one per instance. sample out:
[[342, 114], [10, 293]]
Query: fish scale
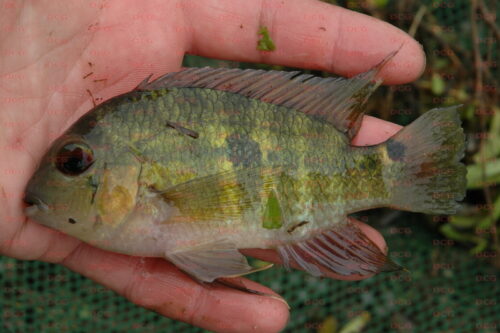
[[165, 148], [313, 165]]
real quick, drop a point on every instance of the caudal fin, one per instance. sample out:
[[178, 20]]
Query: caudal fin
[[424, 163]]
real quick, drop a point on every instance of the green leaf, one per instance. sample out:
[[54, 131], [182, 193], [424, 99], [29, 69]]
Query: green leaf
[[437, 84], [265, 43], [329, 325], [480, 247], [462, 95], [485, 223], [464, 237], [356, 324], [491, 146], [462, 221], [379, 3], [260, 263], [475, 177], [492, 216], [469, 112], [496, 209], [441, 63]]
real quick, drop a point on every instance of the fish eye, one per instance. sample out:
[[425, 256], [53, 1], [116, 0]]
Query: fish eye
[[74, 158]]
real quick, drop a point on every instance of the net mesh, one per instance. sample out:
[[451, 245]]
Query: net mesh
[[447, 289]]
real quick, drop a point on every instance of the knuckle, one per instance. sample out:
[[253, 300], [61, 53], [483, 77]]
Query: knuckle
[[138, 286], [196, 301]]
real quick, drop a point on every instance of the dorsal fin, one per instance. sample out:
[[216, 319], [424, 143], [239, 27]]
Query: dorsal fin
[[144, 83], [337, 100]]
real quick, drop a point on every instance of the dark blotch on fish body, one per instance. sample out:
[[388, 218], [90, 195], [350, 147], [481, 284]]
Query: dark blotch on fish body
[[395, 150], [243, 150]]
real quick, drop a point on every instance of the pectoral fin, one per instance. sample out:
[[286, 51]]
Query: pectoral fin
[[210, 261], [224, 195]]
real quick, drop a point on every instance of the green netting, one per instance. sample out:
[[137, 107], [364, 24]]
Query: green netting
[[446, 291]]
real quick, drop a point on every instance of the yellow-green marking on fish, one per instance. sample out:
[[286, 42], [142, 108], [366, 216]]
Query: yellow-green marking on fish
[[272, 218]]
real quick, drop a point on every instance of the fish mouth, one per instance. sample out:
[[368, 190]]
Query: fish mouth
[[34, 205]]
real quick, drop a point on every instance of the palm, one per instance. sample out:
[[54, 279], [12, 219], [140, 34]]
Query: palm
[[44, 90], [55, 57]]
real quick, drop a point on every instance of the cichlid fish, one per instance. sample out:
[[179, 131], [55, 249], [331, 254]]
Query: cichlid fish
[[198, 164]]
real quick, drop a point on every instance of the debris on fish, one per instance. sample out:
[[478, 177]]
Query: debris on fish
[[200, 163]]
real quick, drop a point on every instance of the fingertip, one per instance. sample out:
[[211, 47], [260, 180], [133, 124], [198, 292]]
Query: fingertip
[[247, 312], [273, 314], [408, 64], [374, 131], [272, 317], [281, 318], [375, 236], [364, 41]]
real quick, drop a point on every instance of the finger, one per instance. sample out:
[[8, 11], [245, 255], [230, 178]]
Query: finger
[[33, 241], [153, 283], [273, 256], [307, 34], [156, 284], [374, 131]]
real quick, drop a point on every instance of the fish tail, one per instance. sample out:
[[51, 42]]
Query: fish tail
[[423, 163]]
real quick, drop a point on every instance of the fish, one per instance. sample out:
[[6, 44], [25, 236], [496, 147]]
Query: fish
[[201, 163]]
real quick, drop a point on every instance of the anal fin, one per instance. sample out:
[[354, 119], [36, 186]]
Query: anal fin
[[343, 250], [213, 260]]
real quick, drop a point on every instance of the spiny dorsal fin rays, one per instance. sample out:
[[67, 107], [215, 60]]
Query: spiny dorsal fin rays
[[339, 101], [143, 83]]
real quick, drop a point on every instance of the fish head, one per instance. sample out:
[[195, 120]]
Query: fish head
[[82, 186], [87, 183], [61, 192]]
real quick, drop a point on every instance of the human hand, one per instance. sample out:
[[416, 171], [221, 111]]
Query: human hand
[[53, 55]]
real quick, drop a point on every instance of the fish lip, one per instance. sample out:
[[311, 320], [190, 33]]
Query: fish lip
[[31, 211], [34, 204]]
